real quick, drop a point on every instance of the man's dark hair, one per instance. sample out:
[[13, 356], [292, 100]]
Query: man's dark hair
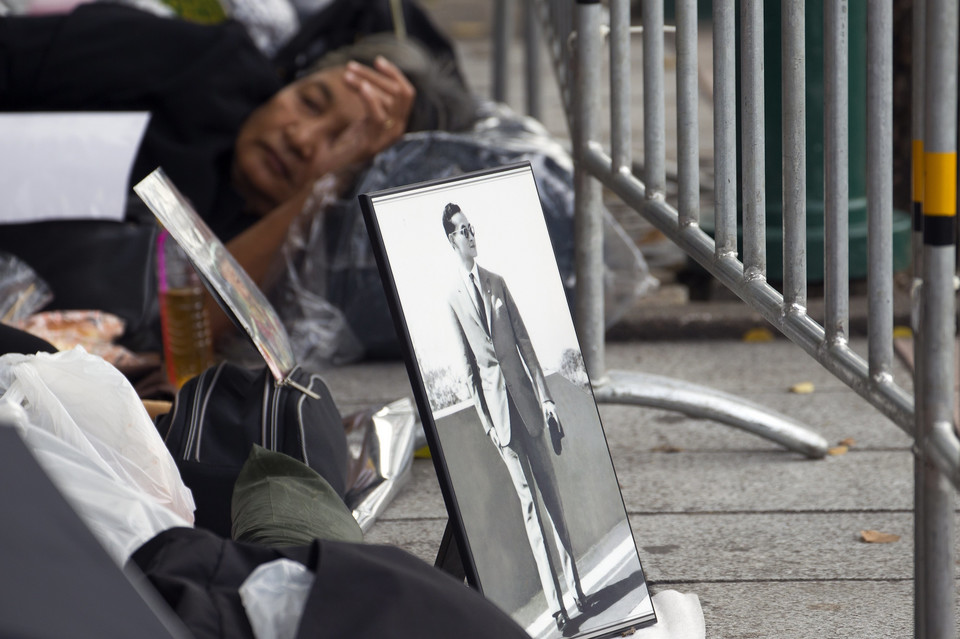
[[449, 211], [442, 101]]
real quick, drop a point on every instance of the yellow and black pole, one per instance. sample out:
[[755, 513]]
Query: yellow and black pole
[[937, 314]]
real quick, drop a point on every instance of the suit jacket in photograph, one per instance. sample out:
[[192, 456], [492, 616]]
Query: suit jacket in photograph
[[501, 363]]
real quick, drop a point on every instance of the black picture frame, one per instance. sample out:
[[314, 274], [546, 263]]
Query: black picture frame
[[423, 265]]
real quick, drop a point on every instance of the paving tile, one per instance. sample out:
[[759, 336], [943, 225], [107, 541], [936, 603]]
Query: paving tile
[[757, 482], [801, 610]]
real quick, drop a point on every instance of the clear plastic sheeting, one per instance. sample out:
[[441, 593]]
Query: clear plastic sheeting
[[318, 330], [380, 444], [274, 597], [22, 291], [331, 279]]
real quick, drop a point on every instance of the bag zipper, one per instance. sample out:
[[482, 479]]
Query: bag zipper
[[300, 401], [265, 412], [191, 417], [207, 394]]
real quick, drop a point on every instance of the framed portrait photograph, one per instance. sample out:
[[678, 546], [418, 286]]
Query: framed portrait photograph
[[506, 403]]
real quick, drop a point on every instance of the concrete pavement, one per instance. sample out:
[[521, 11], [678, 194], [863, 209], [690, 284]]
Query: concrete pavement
[[769, 540]]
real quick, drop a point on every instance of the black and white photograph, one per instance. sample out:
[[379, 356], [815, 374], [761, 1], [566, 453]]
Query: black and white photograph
[[510, 412]]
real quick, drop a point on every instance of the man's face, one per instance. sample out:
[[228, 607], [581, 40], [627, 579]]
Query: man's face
[[283, 145], [462, 238]]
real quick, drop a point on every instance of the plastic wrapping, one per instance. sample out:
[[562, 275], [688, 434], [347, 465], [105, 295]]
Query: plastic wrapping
[[274, 596], [95, 331], [380, 443], [331, 271], [318, 330], [22, 291], [90, 405]]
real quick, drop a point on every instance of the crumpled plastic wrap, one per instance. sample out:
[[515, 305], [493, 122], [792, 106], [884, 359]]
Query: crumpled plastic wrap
[[380, 444], [330, 296], [22, 291], [318, 330], [95, 331]]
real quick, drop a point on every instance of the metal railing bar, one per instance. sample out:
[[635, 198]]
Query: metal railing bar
[[753, 191], [552, 24], [724, 129], [688, 127], [588, 222], [654, 118], [531, 31], [502, 34], [621, 128], [916, 177], [794, 118], [836, 168], [880, 187]]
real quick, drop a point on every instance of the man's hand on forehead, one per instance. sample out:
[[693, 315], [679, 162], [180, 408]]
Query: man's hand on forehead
[[387, 94]]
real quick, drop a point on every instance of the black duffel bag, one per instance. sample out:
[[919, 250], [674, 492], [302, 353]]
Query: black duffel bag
[[219, 415]]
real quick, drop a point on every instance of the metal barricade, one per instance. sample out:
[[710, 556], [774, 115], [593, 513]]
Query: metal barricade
[[578, 35]]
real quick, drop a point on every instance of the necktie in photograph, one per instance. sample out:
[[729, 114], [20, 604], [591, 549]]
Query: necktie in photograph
[[483, 310]]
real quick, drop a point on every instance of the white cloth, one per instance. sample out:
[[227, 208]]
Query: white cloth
[[679, 616], [274, 597]]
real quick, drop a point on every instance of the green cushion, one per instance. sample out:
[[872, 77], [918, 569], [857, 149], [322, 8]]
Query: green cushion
[[280, 501]]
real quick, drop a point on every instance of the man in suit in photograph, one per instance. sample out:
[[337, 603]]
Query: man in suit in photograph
[[514, 405]]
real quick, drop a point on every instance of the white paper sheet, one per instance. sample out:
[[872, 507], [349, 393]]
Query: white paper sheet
[[67, 165]]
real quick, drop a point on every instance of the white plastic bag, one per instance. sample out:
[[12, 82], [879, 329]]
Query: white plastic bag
[[88, 404], [119, 515]]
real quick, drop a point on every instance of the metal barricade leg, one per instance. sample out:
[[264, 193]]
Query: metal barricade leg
[[656, 391]]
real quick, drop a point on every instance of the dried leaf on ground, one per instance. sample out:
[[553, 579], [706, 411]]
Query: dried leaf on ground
[[837, 450], [877, 537], [902, 332], [666, 448], [802, 388], [758, 335], [849, 441]]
